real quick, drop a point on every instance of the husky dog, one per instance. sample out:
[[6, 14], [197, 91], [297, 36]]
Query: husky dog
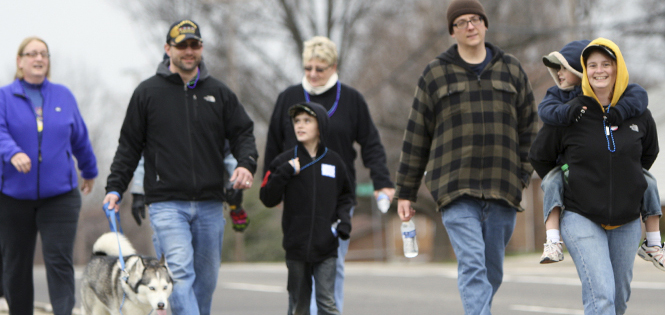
[[144, 286]]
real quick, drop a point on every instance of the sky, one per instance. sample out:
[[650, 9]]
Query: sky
[[96, 35]]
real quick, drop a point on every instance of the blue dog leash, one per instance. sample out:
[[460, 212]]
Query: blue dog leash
[[114, 216]]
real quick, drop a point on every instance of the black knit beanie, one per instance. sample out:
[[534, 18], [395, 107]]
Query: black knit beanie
[[461, 7]]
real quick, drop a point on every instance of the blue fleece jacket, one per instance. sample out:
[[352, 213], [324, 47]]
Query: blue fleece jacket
[[65, 136]]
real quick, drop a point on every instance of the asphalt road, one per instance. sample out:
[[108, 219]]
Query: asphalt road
[[421, 288]]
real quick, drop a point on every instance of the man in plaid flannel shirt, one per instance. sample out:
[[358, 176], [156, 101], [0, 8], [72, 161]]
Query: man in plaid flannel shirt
[[470, 128]]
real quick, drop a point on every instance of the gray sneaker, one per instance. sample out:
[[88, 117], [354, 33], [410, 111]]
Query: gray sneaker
[[653, 254], [552, 252]]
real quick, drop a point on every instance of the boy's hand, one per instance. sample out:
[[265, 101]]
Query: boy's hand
[[295, 163], [575, 113], [614, 117]]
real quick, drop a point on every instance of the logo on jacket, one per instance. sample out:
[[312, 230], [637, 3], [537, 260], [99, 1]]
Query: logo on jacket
[[634, 127], [57, 109], [209, 98]]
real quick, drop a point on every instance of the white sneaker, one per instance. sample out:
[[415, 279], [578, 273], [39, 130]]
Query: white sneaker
[[552, 252], [4, 308], [653, 254]]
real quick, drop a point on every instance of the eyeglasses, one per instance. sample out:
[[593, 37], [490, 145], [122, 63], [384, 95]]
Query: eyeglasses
[[195, 45], [33, 54], [318, 70], [475, 21]]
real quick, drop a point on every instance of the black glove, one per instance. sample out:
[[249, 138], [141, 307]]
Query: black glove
[[614, 117], [138, 207], [344, 231], [575, 113]]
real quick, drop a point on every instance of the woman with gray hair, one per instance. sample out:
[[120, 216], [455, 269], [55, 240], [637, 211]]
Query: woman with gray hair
[[350, 122]]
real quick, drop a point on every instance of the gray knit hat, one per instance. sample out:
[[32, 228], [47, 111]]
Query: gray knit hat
[[461, 7]]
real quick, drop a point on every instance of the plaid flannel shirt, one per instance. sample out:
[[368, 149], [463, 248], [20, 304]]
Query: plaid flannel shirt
[[471, 133]]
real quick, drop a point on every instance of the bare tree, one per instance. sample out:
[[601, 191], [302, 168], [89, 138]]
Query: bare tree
[[255, 45]]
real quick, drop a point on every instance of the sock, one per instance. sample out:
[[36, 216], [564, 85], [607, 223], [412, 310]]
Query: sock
[[553, 235], [653, 239]]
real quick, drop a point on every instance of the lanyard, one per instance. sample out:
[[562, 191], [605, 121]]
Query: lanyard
[[334, 107], [192, 84], [608, 134], [295, 155]]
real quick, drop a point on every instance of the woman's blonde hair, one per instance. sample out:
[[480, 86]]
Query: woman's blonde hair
[[21, 48], [322, 48]]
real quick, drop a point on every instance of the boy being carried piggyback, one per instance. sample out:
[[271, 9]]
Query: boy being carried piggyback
[[566, 70], [313, 183]]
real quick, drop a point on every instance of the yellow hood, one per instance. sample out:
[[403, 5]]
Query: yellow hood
[[621, 75]]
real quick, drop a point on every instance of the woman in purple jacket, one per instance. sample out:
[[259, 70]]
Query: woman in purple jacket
[[41, 132]]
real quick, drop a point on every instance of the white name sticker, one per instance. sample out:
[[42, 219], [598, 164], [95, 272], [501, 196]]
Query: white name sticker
[[328, 170]]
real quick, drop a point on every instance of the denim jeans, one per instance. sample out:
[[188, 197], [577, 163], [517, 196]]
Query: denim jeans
[[300, 286], [342, 249], [552, 186], [604, 261], [189, 234], [479, 230]]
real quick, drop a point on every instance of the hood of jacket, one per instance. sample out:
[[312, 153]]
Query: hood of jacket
[[321, 118], [451, 56], [569, 58], [621, 76], [163, 70]]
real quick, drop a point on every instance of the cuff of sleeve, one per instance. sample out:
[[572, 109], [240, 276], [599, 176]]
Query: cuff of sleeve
[[117, 194], [344, 231]]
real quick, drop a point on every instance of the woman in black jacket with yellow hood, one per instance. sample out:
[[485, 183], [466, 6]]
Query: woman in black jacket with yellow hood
[[604, 184]]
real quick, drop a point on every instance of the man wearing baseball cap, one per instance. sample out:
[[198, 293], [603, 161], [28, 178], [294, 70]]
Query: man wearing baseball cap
[[471, 125], [179, 120]]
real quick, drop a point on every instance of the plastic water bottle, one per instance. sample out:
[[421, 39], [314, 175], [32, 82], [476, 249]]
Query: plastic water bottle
[[333, 227], [383, 202], [409, 238]]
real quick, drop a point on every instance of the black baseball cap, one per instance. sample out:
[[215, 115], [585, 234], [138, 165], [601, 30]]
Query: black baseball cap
[[183, 30]]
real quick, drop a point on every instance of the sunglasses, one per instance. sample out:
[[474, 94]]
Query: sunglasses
[[318, 70], [195, 45]]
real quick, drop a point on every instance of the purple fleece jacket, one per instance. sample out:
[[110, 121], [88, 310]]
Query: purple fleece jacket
[[65, 136]]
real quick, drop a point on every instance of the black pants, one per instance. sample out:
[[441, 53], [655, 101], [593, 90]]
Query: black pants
[[55, 219]]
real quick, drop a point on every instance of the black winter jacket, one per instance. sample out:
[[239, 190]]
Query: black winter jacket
[[181, 132], [606, 187], [350, 123], [313, 200]]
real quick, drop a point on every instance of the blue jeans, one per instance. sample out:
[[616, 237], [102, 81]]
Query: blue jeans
[[189, 234], [300, 283], [604, 261], [552, 186], [342, 249], [479, 231]]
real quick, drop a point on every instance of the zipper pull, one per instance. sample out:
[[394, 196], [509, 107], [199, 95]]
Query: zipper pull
[[40, 156]]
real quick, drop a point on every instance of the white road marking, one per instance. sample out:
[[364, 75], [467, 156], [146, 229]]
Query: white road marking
[[545, 310], [253, 287]]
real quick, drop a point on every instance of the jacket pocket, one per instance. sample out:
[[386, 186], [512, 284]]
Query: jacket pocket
[[505, 94], [450, 89]]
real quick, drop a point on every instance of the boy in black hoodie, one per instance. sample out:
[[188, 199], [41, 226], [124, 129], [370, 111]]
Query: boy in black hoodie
[[313, 183]]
